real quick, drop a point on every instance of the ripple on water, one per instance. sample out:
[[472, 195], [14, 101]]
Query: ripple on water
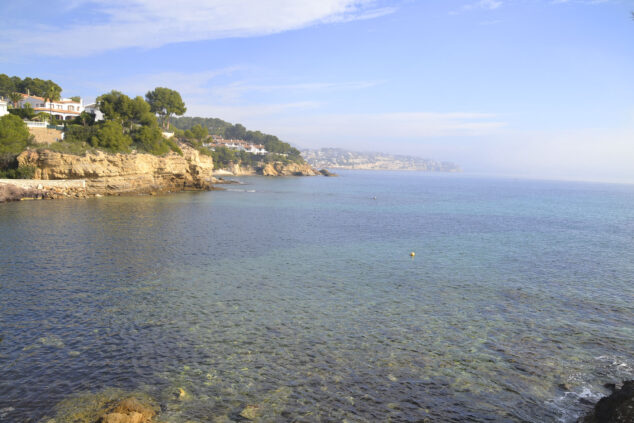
[[300, 301]]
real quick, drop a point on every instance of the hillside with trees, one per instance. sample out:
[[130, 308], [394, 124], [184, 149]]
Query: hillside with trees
[[36, 86], [279, 150], [133, 124]]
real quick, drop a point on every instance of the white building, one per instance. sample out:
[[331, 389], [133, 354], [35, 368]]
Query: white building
[[66, 109], [3, 108], [94, 109], [239, 145], [255, 149]]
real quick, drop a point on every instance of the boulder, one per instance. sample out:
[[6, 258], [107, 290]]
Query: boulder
[[617, 407]]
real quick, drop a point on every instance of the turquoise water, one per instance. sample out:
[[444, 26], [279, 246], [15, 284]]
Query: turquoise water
[[298, 296]]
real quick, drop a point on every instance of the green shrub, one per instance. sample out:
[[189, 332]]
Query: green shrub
[[174, 147], [79, 133], [14, 134], [25, 113], [224, 156], [22, 172], [109, 136], [150, 139]]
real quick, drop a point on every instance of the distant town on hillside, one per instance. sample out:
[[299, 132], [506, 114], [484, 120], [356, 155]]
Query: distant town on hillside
[[343, 159]]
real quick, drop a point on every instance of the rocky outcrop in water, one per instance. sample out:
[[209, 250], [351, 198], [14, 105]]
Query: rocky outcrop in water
[[617, 407], [288, 169], [119, 173], [326, 172]]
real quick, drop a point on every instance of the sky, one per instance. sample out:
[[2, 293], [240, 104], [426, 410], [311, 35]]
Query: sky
[[523, 88]]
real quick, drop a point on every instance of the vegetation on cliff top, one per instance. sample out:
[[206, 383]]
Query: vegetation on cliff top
[[199, 129], [134, 124], [14, 135]]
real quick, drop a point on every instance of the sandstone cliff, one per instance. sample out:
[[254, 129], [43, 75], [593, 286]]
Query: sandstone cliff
[[124, 173]]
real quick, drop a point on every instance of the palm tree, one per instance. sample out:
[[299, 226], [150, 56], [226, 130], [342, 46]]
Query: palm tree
[[52, 94], [15, 97]]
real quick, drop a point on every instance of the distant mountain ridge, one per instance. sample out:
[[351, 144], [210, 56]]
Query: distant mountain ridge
[[344, 159]]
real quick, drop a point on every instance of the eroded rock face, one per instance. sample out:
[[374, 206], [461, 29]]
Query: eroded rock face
[[290, 169], [125, 173]]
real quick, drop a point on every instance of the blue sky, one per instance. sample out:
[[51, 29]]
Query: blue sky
[[536, 88]]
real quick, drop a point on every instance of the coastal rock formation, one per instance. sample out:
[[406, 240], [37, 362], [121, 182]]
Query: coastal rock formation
[[124, 173], [326, 172], [289, 169], [617, 407], [238, 170], [9, 192], [270, 169]]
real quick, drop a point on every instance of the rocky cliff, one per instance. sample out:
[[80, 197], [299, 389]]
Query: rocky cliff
[[124, 173]]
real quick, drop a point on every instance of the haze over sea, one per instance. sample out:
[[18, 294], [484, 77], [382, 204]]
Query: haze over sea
[[298, 295]]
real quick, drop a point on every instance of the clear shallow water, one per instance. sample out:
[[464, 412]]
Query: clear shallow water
[[298, 295]]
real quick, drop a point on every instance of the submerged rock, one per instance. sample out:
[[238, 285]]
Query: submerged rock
[[128, 410], [250, 412], [108, 406], [617, 407]]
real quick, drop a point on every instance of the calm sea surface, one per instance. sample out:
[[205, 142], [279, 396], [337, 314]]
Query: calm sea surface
[[298, 295]]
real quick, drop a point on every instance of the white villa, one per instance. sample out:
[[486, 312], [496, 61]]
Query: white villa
[[239, 145], [3, 108], [66, 109], [94, 109]]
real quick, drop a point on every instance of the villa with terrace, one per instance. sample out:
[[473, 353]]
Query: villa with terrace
[[64, 109]]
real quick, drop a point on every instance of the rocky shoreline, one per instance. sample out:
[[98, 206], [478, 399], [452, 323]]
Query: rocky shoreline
[[94, 174]]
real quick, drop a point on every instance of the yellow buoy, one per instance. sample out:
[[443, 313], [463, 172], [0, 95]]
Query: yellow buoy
[[412, 254]]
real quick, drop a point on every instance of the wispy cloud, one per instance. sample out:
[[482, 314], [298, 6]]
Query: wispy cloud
[[480, 4], [119, 24]]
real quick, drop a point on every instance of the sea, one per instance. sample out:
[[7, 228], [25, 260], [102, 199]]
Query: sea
[[298, 299]]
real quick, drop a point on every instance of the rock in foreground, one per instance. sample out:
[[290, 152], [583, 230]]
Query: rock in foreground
[[615, 408]]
